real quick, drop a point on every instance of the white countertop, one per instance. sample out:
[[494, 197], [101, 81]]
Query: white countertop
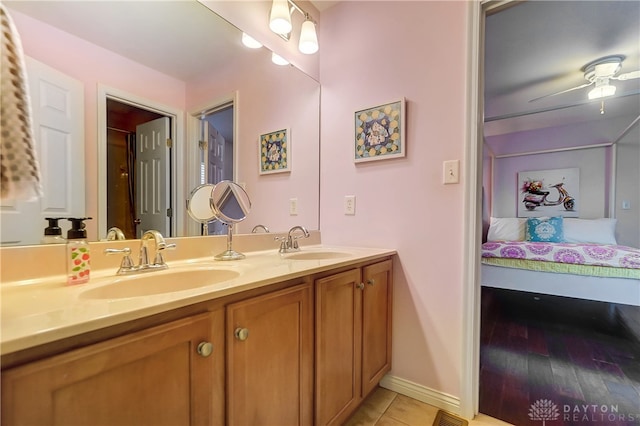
[[35, 312]]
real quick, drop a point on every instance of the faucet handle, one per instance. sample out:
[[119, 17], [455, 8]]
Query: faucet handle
[[127, 262], [159, 260]]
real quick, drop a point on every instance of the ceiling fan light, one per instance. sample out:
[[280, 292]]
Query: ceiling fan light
[[250, 42], [308, 38], [602, 91], [280, 17]]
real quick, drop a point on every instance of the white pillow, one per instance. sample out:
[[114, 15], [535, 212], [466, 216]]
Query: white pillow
[[506, 229], [598, 231]]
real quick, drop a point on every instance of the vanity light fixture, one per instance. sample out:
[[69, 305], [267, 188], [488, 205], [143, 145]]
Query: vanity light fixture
[[278, 60], [280, 17], [280, 23], [250, 42], [308, 38]]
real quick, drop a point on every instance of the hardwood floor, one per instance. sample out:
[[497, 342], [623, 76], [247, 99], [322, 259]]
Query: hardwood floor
[[576, 355]]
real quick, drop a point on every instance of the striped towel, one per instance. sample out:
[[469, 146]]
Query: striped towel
[[19, 172]]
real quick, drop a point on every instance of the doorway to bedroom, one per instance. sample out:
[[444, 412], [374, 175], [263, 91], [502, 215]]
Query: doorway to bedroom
[[550, 354]]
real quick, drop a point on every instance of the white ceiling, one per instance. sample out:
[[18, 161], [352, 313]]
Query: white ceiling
[[536, 48]]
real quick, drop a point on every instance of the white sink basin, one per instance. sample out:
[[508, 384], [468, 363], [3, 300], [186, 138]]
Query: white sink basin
[[316, 255], [152, 283]]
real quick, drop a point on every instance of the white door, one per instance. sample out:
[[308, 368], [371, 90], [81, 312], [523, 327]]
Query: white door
[[57, 104], [214, 159], [153, 176]]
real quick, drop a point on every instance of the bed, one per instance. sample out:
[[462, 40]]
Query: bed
[[581, 261]]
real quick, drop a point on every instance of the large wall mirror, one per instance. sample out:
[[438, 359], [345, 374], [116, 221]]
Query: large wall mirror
[[180, 60]]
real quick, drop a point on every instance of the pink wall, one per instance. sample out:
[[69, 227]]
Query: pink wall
[[374, 52], [93, 65]]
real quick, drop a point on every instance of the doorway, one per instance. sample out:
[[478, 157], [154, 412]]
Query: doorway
[[216, 152], [125, 179]]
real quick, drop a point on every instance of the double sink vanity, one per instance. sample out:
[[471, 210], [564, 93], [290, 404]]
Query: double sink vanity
[[274, 338]]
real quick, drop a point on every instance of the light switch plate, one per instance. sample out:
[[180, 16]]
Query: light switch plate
[[451, 172], [293, 206]]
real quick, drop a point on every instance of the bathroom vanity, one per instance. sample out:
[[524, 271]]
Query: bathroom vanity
[[298, 338]]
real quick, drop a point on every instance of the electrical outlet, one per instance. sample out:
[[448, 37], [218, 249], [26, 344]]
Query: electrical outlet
[[451, 172], [293, 206], [350, 205], [626, 205]]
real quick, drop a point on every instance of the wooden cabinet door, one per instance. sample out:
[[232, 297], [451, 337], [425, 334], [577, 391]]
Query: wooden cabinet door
[[270, 359], [153, 377], [376, 324], [338, 349]]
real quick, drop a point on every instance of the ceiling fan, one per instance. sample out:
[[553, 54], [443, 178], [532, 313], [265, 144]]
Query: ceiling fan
[[599, 73]]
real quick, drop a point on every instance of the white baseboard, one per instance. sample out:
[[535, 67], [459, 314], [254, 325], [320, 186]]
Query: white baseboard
[[427, 395]]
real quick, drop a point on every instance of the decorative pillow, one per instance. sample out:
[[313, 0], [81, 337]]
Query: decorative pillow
[[597, 231], [506, 229], [545, 229]]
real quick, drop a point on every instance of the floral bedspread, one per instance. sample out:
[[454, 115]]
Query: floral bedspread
[[578, 254]]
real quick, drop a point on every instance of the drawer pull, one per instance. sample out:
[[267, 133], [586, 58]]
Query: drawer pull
[[242, 333], [360, 286], [371, 281], [205, 349]]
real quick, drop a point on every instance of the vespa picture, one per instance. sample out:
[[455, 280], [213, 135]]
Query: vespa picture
[[548, 192]]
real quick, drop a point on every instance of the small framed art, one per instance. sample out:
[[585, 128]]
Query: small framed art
[[275, 152], [380, 132]]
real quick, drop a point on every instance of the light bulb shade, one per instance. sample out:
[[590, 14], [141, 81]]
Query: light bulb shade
[[308, 38], [250, 42], [280, 17], [602, 91], [278, 60]]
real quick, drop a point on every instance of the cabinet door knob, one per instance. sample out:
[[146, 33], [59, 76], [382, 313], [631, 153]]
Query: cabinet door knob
[[360, 286], [242, 333], [205, 349], [371, 281]]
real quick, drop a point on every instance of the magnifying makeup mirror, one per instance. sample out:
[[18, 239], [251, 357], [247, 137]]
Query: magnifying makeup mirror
[[199, 205], [230, 205]]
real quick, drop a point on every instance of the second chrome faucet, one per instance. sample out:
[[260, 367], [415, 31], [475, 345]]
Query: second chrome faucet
[[128, 267], [289, 243]]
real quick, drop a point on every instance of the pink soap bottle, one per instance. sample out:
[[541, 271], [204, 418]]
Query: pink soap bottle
[[78, 254]]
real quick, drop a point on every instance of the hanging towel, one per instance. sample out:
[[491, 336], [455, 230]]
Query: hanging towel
[[19, 172]]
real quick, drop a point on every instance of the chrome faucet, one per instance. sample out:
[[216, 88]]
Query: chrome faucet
[[115, 233], [257, 227], [289, 243], [127, 266]]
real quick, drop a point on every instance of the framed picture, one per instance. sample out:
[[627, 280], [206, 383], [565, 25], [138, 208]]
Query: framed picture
[[275, 152], [553, 192], [380, 132]]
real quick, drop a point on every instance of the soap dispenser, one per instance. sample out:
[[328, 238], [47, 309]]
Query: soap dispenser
[[78, 254], [53, 233]]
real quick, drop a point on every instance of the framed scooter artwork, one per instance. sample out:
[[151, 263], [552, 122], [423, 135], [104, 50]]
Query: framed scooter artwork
[[549, 193]]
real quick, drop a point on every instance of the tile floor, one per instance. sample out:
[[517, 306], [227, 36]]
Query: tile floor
[[387, 408]]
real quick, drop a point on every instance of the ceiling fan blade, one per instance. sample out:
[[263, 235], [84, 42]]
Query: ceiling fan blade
[[564, 91], [628, 75]]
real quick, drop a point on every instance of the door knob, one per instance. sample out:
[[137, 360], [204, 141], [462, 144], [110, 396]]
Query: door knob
[[371, 281], [205, 349], [360, 286], [242, 333]]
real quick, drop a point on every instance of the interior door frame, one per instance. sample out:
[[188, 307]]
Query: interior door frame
[[177, 182], [192, 173]]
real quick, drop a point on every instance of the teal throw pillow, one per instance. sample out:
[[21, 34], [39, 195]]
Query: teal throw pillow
[[545, 230]]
